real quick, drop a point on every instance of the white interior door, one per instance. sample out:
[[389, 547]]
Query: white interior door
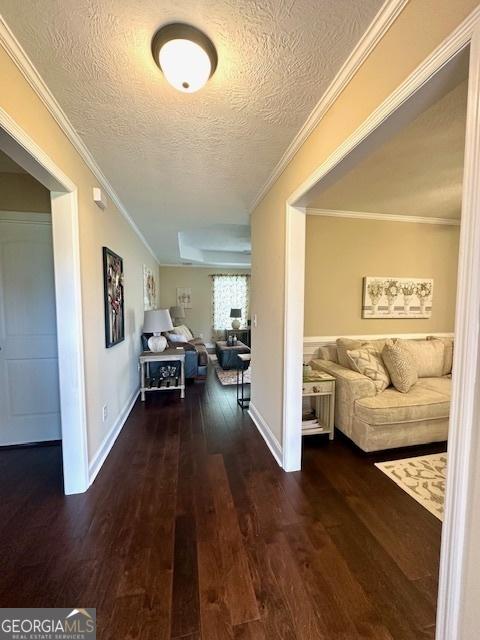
[[29, 389]]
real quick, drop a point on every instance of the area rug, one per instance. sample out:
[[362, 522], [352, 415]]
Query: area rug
[[230, 376], [423, 478]]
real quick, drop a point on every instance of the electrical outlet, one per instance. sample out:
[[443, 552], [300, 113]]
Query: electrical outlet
[[105, 412]]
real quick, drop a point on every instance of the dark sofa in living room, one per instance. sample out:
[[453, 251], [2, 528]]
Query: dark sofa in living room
[[196, 356]]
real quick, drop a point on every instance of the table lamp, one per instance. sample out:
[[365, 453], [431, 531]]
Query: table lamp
[[235, 314], [177, 313], [156, 321]]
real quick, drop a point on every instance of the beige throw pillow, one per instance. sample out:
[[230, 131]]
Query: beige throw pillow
[[400, 366], [368, 361], [344, 345], [448, 355], [428, 356]]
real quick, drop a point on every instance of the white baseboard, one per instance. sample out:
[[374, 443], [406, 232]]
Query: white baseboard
[[312, 343], [266, 433], [106, 446]]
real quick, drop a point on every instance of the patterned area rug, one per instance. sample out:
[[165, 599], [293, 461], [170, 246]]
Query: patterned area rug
[[227, 377], [230, 376], [423, 478]]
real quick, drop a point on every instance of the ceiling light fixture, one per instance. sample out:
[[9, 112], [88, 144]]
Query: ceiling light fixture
[[186, 56]]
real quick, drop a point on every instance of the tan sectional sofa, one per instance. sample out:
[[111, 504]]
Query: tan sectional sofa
[[391, 419]]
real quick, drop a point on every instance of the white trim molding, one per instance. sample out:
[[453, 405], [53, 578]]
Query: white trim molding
[[16, 52], [383, 217], [266, 433], [457, 603], [109, 440], [388, 12], [454, 43]]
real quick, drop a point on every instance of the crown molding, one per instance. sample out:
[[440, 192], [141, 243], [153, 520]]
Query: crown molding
[[387, 14], [383, 217], [16, 52]]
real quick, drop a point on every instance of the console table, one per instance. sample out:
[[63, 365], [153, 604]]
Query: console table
[[162, 384]]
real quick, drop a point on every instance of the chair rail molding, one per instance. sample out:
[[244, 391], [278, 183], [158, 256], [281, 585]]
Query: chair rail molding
[[383, 217], [16, 52], [387, 14]]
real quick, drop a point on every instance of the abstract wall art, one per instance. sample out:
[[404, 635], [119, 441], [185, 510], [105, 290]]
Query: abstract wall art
[[149, 289], [113, 298]]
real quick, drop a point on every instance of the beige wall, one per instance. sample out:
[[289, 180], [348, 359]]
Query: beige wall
[[199, 317], [340, 251], [110, 374], [421, 26], [21, 192]]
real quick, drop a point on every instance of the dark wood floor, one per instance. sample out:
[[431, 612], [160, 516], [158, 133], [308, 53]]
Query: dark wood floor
[[192, 531]]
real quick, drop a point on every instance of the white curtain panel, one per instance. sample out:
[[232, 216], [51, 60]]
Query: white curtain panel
[[230, 292]]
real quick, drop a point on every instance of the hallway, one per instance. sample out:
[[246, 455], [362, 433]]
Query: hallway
[[192, 531]]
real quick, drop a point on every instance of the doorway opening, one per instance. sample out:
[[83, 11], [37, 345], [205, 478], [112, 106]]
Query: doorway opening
[[431, 82], [56, 405]]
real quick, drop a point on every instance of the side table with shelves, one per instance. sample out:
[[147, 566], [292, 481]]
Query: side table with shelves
[[148, 383], [319, 387]]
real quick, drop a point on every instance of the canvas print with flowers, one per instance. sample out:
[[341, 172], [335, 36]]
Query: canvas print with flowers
[[389, 297]]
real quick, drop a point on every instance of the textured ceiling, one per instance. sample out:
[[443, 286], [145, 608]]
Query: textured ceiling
[[180, 161], [418, 172]]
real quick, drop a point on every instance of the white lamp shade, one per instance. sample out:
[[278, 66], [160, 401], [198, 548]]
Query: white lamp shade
[[157, 320]]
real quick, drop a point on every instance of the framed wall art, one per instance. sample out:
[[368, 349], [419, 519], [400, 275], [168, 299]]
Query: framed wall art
[[390, 297], [149, 289], [184, 297], [113, 298]]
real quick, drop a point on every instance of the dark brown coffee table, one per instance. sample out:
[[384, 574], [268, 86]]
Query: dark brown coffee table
[[227, 356]]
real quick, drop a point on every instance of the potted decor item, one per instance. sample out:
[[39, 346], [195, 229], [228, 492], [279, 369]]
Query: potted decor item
[[391, 292], [375, 291], [408, 290], [424, 291]]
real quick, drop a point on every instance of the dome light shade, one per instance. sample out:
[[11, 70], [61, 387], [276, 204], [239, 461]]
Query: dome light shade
[[186, 56]]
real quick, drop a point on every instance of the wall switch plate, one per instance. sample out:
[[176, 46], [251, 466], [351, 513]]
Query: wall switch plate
[[104, 412], [255, 320]]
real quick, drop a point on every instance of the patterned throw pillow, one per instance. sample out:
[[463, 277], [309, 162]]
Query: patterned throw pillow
[[400, 365], [368, 361]]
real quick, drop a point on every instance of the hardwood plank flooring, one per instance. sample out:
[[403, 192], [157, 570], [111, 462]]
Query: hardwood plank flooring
[[192, 532]]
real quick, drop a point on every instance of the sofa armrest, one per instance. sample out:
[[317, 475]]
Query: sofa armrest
[[350, 386]]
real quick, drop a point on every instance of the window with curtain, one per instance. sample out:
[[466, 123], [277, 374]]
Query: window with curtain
[[230, 292]]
